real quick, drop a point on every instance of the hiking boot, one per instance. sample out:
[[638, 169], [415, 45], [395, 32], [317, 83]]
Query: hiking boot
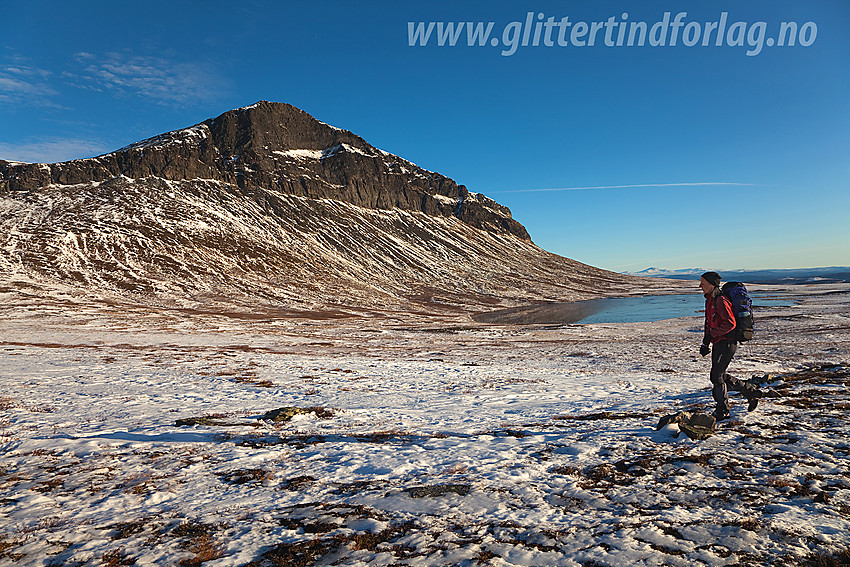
[[720, 415], [753, 399]]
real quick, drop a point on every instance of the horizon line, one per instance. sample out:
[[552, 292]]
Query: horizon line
[[634, 186], [716, 269]]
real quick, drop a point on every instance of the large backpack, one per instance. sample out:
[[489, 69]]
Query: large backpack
[[742, 307]]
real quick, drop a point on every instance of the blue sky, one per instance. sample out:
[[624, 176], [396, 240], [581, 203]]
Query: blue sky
[[621, 157]]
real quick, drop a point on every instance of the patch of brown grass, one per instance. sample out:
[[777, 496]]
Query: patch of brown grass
[[298, 482], [566, 470], [837, 559], [43, 408], [49, 485], [749, 524], [370, 541], [205, 549], [200, 541], [297, 554], [117, 558], [780, 482], [124, 530]]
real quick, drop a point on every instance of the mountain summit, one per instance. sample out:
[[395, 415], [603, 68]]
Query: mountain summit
[[265, 207], [278, 147]]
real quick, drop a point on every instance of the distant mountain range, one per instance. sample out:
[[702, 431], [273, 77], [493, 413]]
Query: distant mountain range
[[267, 204], [786, 276]]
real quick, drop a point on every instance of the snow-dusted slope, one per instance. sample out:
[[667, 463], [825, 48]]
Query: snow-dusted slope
[[206, 240]]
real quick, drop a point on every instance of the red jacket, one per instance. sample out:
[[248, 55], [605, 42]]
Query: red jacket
[[719, 318]]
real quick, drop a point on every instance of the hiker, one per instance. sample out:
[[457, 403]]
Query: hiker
[[719, 324]]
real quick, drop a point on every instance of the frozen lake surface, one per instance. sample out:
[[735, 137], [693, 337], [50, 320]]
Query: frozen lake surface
[[619, 310], [659, 307]]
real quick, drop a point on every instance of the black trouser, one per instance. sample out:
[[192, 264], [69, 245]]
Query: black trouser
[[721, 356]]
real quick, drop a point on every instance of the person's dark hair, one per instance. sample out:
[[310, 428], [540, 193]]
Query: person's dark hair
[[712, 277]]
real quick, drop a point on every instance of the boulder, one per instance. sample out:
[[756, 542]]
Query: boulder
[[696, 425]]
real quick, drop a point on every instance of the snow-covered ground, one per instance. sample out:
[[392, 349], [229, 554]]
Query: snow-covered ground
[[415, 441]]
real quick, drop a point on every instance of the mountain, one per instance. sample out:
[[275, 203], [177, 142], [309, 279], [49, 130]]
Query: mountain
[[684, 273], [276, 147], [267, 205]]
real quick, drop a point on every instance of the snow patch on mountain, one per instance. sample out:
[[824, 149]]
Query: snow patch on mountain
[[300, 154], [445, 200], [186, 135]]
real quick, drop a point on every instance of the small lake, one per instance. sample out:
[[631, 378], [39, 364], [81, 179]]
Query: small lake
[[616, 310]]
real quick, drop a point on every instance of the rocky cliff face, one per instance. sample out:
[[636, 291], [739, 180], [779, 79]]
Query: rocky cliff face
[[267, 205], [275, 146]]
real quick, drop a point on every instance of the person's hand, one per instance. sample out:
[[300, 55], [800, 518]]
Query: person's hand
[[704, 350]]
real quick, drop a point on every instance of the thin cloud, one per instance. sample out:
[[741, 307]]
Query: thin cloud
[[51, 151], [156, 78], [162, 80], [22, 85], [635, 186]]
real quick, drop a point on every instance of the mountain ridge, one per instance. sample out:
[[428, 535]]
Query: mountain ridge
[[267, 145]]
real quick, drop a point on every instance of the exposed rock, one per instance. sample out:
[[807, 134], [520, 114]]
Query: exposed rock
[[287, 413], [438, 490], [696, 425], [214, 422], [244, 476], [277, 147]]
